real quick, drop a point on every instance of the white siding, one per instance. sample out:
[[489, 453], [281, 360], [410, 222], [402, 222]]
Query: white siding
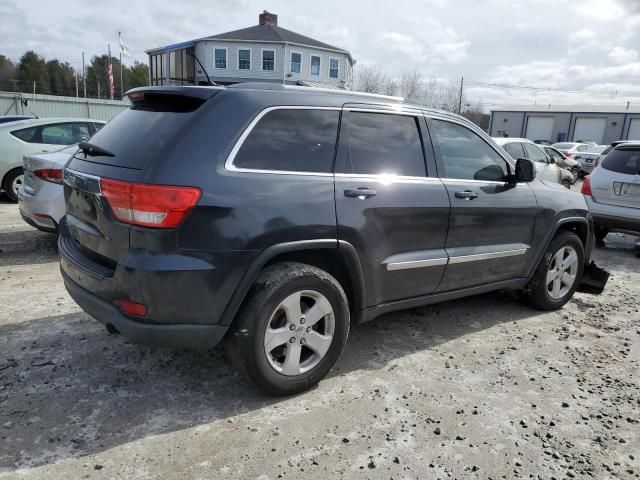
[[205, 52]]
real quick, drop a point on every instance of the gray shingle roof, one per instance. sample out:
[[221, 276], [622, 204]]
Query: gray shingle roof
[[272, 33]]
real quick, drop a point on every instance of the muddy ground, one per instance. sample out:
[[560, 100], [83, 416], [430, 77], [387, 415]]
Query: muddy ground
[[478, 388]]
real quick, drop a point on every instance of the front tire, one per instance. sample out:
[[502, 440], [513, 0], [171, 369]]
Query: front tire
[[12, 182], [559, 273], [291, 329]]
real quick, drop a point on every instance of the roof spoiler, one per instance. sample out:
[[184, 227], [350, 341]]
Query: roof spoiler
[[202, 93]]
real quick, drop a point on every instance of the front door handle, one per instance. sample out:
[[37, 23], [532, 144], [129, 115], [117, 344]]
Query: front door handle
[[466, 195], [361, 193]]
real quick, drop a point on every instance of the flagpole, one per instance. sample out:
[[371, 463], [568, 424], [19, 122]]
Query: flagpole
[[110, 73], [121, 81]]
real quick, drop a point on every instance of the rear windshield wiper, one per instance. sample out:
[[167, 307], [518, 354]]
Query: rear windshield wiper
[[94, 150]]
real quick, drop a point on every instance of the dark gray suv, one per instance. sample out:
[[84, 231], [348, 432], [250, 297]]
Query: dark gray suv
[[275, 217]]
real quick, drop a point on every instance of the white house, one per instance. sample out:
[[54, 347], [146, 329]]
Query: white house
[[262, 53]]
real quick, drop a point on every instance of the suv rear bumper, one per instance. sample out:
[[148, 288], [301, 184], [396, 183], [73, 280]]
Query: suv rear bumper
[[167, 335], [614, 216]]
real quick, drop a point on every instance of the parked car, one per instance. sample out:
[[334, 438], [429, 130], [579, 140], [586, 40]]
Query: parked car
[[612, 191], [275, 217], [13, 118], [589, 159], [587, 142], [41, 198], [546, 167], [36, 135], [542, 142], [568, 149], [562, 161]]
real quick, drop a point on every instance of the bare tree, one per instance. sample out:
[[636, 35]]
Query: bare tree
[[368, 78], [411, 85]]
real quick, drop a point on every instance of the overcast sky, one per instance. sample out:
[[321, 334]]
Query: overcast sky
[[585, 45]]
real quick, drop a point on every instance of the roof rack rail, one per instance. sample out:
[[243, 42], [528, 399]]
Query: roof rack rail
[[299, 88]]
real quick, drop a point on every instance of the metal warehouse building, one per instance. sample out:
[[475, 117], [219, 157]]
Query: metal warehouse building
[[600, 124]]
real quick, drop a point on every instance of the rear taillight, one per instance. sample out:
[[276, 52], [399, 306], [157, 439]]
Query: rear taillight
[[586, 186], [53, 175], [157, 206], [131, 308], [567, 154]]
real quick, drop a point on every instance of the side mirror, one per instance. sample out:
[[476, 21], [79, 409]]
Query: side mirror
[[525, 170]]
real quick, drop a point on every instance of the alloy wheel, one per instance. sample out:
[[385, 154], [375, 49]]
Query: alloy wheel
[[562, 272], [17, 184], [299, 333]]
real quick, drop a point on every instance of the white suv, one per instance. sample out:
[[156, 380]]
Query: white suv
[[612, 191]]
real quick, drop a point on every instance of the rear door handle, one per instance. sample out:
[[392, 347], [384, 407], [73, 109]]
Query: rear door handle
[[466, 195], [361, 193]]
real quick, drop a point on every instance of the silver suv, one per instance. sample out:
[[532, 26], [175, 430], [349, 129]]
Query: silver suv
[[612, 191]]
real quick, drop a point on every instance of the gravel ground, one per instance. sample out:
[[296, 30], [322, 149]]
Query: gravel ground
[[476, 388]]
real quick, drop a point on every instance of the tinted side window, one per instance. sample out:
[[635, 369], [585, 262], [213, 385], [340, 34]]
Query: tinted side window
[[27, 135], [384, 143], [465, 155], [65, 133], [623, 161], [534, 153], [515, 150], [291, 140]]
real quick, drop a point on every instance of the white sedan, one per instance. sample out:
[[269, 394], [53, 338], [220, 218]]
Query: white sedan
[[36, 135], [41, 197]]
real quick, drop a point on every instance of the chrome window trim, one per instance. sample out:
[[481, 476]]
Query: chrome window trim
[[381, 178], [484, 182], [228, 164], [432, 262], [385, 111], [487, 256]]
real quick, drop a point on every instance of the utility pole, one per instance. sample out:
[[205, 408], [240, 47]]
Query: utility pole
[[460, 99], [84, 78], [34, 87], [77, 85], [98, 89]]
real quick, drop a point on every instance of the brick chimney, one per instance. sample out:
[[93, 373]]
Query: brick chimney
[[268, 18]]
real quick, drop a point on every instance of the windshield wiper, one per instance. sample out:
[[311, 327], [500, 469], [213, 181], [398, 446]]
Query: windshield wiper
[[94, 150]]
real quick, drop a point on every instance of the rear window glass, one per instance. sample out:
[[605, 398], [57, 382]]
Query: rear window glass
[[291, 140], [26, 134], [623, 161], [137, 137], [514, 150], [607, 150], [534, 153], [384, 143]]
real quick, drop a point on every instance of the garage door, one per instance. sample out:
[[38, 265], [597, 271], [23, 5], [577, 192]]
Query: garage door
[[634, 129], [589, 129], [539, 128]]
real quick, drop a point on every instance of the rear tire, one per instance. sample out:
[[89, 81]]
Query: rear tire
[[558, 274], [291, 329], [12, 182], [567, 183]]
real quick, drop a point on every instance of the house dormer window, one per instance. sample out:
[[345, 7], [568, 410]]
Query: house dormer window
[[334, 65], [315, 65], [268, 60], [244, 59], [220, 56], [296, 62]]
